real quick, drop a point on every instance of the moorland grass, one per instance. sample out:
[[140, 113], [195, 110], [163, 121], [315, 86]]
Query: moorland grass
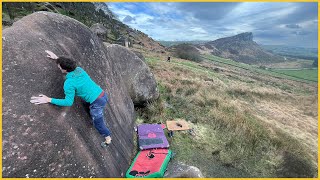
[[229, 141]]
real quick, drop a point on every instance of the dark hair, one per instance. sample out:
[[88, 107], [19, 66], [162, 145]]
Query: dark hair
[[67, 64]]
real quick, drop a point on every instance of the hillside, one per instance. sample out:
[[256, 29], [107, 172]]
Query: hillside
[[172, 43], [248, 122], [185, 51], [87, 13], [240, 48]]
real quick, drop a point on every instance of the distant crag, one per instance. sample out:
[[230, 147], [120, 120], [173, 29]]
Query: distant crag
[[52, 141], [240, 48]]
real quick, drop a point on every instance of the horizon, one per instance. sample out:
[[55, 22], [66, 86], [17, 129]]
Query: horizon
[[258, 43], [288, 24]]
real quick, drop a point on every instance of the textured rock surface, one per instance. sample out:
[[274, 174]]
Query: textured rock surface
[[51, 141], [140, 55], [139, 80], [100, 30], [180, 170]]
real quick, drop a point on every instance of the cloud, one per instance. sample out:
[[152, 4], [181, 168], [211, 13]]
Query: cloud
[[128, 19], [303, 12], [224, 29], [207, 11], [275, 35], [302, 33], [272, 23], [198, 30], [293, 26]]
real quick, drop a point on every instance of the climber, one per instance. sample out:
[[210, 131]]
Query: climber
[[79, 83]]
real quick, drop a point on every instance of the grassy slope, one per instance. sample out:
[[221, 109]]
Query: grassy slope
[[241, 119]]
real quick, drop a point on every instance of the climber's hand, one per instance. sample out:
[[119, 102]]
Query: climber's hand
[[51, 55], [42, 99]]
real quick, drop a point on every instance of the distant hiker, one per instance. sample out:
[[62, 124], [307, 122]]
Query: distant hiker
[[79, 83], [168, 59]]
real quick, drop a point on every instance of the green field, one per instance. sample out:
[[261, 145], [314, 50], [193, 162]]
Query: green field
[[307, 74]]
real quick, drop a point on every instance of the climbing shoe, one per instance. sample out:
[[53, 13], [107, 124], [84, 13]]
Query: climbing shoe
[[108, 140]]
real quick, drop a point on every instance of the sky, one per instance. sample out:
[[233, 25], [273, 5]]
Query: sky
[[290, 24]]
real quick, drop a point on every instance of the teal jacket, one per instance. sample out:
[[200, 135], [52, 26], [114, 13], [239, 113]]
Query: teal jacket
[[78, 83]]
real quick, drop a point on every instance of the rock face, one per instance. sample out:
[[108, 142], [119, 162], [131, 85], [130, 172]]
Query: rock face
[[102, 6], [51, 141], [100, 31], [240, 48], [180, 170], [140, 55], [247, 36], [139, 80]]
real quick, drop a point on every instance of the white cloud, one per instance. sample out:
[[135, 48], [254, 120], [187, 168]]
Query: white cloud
[[162, 8], [198, 30], [309, 24], [120, 12], [209, 21]]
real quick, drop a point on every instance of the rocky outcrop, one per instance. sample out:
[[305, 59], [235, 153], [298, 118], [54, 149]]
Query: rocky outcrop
[[45, 6], [52, 141], [139, 80], [180, 170], [247, 36], [240, 48], [100, 31], [104, 7]]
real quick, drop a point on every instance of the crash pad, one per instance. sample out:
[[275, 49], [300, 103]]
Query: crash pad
[[151, 136], [150, 163]]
